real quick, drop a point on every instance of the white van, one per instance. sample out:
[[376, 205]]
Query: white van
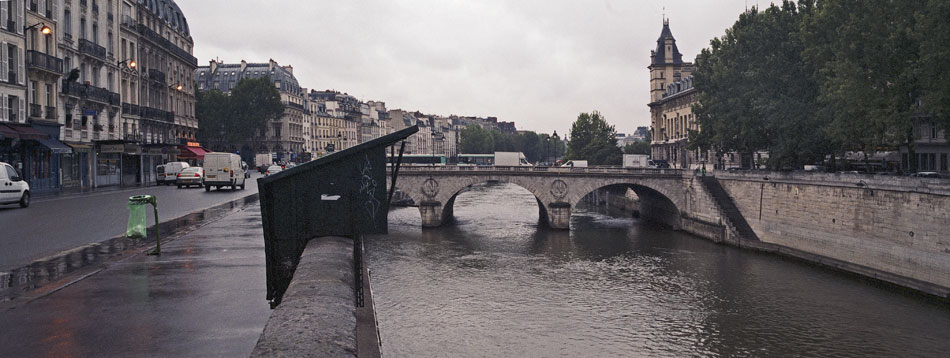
[[13, 189], [168, 173], [575, 164], [223, 169]]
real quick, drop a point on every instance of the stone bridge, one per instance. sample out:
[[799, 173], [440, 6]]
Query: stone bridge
[[557, 190]]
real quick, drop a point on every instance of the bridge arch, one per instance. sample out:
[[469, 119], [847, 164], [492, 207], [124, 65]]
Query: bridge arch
[[557, 191]]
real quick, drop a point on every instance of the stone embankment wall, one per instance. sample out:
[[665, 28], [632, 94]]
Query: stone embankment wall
[[317, 316], [893, 228]]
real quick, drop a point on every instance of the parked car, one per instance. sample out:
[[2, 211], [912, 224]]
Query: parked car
[[926, 175], [13, 189], [190, 176], [223, 170], [169, 172], [273, 169], [659, 164]]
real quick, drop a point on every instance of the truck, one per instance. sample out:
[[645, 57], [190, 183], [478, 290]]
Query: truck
[[635, 160], [511, 159], [222, 170], [575, 164], [263, 160]]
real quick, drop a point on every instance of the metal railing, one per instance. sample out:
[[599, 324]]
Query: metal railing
[[36, 110], [51, 113], [156, 75], [36, 59], [168, 45], [89, 48]]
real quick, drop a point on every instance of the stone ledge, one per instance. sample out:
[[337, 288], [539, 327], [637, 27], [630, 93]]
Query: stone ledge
[[317, 316]]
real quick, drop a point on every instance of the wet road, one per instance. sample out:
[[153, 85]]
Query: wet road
[[203, 297], [52, 225], [496, 285]]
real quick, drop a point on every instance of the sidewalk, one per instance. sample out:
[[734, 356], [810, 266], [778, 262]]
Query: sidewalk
[[204, 296]]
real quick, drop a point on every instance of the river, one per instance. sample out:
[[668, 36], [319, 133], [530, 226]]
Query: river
[[496, 284]]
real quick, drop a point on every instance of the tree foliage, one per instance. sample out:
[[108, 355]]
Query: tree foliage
[[536, 148], [594, 140], [637, 148], [225, 119], [807, 79]]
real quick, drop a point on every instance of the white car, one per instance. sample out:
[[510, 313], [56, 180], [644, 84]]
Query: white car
[[273, 169], [13, 189], [190, 176]]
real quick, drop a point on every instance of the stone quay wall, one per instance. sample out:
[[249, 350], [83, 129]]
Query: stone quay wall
[[892, 228]]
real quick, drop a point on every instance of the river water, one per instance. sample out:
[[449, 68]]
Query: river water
[[495, 284]]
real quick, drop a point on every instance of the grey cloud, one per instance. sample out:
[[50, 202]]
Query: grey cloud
[[538, 63]]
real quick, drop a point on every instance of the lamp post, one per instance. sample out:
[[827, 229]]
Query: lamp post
[[45, 30], [557, 140]]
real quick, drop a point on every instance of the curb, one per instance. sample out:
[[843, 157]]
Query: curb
[[48, 269]]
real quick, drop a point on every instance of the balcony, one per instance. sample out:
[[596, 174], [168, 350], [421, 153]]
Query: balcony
[[158, 114], [42, 61], [95, 8], [83, 2], [51, 113], [156, 75], [36, 110], [128, 21], [89, 48], [90, 92], [167, 45], [110, 17], [114, 99]]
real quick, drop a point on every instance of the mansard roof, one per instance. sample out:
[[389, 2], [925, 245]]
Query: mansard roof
[[659, 55]]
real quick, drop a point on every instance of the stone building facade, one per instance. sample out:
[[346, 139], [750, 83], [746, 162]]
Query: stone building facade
[[284, 137], [671, 98]]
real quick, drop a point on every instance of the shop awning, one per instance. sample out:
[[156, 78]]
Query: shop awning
[[79, 146], [192, 152], [7, 132], [55, 146], [26, 132]]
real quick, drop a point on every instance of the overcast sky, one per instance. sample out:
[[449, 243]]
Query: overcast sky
[[538, 63]]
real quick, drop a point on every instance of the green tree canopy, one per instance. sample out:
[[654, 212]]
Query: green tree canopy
[[594, 140], [231, 119], [476, 140]]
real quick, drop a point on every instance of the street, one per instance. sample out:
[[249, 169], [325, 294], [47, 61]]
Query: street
[[202, 297], [52, 225]]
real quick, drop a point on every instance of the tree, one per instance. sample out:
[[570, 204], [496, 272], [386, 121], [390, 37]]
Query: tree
[[757, 92], [933, 34], [637, 148], [225, 120], [594, 140], [476, 140]]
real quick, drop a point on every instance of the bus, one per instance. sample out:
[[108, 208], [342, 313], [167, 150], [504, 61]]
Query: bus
[[476, 159], [419, 159]]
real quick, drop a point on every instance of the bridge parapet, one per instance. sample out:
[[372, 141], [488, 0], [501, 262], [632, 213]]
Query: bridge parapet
[[541, 170], [557, 190]]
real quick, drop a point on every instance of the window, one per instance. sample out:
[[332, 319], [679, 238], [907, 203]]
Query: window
[[933, 131], [95, 33], [110, 46], [49, 95], [82, 28], [943, 162], [67, 23]]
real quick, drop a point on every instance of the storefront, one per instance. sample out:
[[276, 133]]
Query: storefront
[[132, 165], [35, 153], [154, 155], [109, 164], [75, 167], [193, 153]]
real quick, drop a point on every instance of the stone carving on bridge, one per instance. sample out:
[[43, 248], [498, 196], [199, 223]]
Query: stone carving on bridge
[[430, 188], [559, 189]]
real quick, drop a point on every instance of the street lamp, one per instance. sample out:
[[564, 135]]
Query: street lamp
[[557, 140], [129, 63]]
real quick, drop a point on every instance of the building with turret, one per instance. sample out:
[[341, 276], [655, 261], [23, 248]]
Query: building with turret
[[671, 98]]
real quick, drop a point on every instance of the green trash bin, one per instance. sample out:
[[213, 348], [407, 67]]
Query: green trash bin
[[137, 220]]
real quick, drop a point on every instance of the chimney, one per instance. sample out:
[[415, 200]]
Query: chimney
[[213, 65], [243, 65], [290, 69]]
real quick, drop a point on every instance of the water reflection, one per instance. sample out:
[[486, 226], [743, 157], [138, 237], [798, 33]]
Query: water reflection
[[496, 283]]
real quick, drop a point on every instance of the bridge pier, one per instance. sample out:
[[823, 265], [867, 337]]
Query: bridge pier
[[432, 213], [559, 215]]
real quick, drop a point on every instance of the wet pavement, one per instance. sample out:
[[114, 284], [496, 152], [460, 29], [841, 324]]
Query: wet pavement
[[54, 224], [203, 297]]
